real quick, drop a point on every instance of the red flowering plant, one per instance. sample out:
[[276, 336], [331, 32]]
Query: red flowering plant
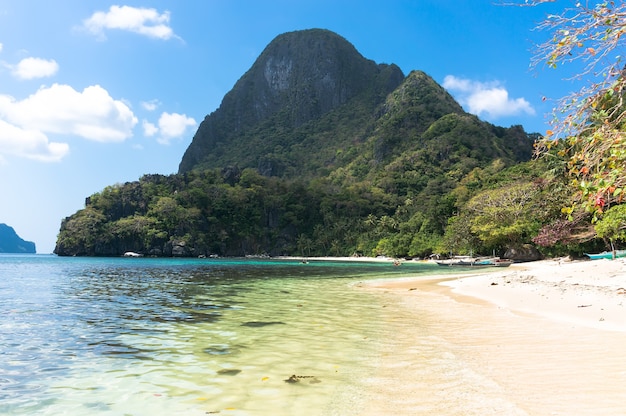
[[588, 129]]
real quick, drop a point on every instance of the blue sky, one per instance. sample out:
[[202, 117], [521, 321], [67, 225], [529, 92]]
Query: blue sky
[[94, 93]]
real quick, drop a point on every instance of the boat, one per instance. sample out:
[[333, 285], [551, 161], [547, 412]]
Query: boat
[[462, 263], [502, 262], [457, 261], [475, 262], [607, 255]]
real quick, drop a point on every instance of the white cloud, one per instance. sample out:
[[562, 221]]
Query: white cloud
[[490, 99], [173, 126], [146, 22], [149, 129], [0, 47], [150, 105], [31, 144], [30, 68], [91, 114]]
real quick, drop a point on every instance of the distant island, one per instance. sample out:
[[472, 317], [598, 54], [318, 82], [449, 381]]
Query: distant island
[[10, 242]]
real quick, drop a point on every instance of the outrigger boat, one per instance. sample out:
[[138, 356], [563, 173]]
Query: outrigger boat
[[607, 255], [475, 262]]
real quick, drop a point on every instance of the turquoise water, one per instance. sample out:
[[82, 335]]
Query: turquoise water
[[120, 336]]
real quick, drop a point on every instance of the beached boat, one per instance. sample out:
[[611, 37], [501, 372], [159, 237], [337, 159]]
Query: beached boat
[[475, 262], [607, 255], [458, 261], [462, 263], [502, 262]]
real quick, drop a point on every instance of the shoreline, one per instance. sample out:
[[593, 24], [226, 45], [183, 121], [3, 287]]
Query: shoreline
[[580, 293], [540, 338], [344, 258]]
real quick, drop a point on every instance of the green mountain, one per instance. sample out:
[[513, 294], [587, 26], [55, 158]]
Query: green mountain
[[315, 150], [307, 94], [10, 242]]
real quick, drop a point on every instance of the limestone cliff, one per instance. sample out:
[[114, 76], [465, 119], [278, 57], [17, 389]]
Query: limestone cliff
[[300, 76]]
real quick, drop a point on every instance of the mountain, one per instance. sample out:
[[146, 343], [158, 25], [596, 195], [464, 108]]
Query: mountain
[[315, 150], [311, 103], [302, 83], [10, 242]]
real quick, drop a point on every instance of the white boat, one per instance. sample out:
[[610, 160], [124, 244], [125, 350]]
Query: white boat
[[475, 262]]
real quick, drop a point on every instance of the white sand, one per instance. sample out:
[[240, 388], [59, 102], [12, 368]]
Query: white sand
[[543, 338], [580, 293]]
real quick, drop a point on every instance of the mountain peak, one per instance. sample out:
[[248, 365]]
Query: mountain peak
[[311, 104], [299, 77]]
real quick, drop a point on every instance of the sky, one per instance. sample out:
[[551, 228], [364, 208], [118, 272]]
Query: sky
[[96, 93]]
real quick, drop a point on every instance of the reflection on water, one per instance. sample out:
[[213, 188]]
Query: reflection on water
[[165, 336]]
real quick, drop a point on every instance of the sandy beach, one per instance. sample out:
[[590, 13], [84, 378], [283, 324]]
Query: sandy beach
[[541, 338]]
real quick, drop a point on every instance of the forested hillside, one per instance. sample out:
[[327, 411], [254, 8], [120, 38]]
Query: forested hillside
[[318, 151]]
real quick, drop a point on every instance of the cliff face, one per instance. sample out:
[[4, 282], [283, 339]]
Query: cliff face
[[311, 103], [299, 77], [10, 242]]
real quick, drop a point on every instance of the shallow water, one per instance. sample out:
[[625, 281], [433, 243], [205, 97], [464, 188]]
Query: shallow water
[[195, 336]]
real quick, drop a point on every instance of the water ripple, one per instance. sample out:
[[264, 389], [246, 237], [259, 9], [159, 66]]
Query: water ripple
[[167, 336]]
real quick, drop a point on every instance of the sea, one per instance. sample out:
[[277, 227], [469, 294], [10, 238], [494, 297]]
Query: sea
[[163, 336]]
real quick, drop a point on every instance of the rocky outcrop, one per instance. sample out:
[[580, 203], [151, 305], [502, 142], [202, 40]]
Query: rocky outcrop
[[525, 252], [299, 77]]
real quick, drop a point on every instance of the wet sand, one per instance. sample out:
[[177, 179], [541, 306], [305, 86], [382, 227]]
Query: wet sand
[[542, 338]]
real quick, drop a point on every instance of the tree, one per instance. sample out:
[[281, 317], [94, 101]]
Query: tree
[[459, 238], [613, 224], [81, 232], [588, 130], [506, 216]]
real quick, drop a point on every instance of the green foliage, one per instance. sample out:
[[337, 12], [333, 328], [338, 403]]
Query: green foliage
[[399, 209], [586, 143], [81, 232], [613, 224], [459, 238], [499, 207], [489, 208], [504, 216]]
